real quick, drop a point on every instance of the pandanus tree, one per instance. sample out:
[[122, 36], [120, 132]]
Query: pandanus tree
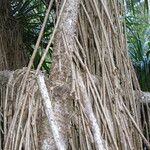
[[11, 45], [90, 100]]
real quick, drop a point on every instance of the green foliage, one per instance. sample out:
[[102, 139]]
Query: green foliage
[[138, 33], [137, 7], [30, 15]]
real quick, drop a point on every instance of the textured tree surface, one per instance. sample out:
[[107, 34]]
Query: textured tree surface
[[12, 51], [92, 87]]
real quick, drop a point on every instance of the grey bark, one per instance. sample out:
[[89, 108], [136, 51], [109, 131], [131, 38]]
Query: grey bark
[[60, 77], [144, 97], [49, 113]]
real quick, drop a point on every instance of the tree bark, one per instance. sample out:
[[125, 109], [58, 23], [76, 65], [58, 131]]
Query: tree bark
[[110, 107], [144, 97], [12, 51], [60, 76]]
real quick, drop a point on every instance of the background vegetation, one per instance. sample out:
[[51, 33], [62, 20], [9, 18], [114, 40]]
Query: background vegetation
[[138, 35], [30, 14]]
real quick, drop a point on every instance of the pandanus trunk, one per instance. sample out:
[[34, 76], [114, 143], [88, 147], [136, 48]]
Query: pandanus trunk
[[60, 77], [92, 87], [12, 51]]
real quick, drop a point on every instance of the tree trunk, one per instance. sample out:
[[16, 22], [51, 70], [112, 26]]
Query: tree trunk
[[12, 51], [60, 77], [91, 87], [93, 66]]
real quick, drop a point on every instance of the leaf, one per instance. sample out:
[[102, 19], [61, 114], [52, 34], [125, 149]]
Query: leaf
[[148, 54]]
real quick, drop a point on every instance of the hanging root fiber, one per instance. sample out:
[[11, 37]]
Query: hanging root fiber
[[91, 100]]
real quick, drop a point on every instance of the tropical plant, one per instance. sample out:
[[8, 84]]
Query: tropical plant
[[30, 14], [138, 33]]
